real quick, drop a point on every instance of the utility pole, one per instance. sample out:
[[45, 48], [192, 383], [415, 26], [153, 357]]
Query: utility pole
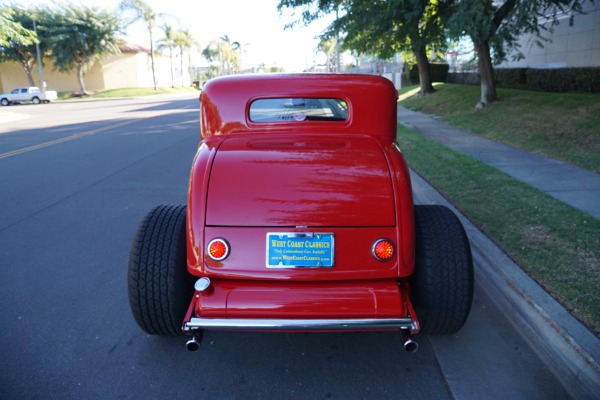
[[337, 48], [39, 59]]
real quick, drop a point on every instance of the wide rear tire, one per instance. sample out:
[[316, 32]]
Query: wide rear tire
[[160, 288], [442, 284]]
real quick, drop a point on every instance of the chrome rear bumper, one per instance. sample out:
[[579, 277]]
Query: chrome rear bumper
[[300, 324]]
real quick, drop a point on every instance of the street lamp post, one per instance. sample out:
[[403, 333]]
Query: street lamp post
[[337, 47], [39, 59]]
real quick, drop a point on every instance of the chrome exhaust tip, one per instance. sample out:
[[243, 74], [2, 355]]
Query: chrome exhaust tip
[[410, 346], [192, 344]]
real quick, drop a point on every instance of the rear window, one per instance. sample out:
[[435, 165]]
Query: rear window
[[298, 109]]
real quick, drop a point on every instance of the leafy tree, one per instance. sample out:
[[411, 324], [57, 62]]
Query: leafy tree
[[11, 29], [142, 11], [328, 46], [17, 41], [495, 26], [168, 42], [383, 27], [78, 36]]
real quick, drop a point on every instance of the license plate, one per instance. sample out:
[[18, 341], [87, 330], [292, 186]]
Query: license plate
[[300, 250]]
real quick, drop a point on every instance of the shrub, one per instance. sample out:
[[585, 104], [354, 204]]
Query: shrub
[[438, 71], [511, 77], [564, 79], [558, 80]]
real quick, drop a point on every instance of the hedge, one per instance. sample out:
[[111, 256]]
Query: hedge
[[564, 79], [439, 73], [547, 80]]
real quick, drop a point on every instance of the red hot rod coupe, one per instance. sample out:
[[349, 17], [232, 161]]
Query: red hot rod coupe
[[300, 218]]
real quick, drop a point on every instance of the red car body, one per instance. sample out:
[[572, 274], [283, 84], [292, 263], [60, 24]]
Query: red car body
[[284, 184]]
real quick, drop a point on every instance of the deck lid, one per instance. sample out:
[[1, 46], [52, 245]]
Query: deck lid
[[296, 180]]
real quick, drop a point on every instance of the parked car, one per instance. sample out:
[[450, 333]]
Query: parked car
[[300, 218], [26, 94]]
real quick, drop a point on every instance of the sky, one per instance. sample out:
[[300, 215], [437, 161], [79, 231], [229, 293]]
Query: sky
[[255, 24]]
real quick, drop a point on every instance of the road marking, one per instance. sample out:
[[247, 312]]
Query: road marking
[[63, 140]]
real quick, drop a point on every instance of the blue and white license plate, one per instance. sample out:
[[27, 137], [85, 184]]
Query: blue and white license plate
[[300, 250]]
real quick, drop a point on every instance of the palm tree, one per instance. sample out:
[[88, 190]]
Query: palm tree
[[189, 42], [180, 42], [236, 48], [229, 54], [211, 53], [168, 42], [143, 11]]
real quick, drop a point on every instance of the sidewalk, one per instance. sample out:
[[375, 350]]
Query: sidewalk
[[567, 347], [7, 116], [570, 184]]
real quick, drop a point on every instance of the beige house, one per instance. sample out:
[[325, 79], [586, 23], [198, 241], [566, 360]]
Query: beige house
[[131, 68]]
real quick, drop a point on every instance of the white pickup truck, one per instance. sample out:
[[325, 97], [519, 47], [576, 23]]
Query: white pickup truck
[[32, 94]]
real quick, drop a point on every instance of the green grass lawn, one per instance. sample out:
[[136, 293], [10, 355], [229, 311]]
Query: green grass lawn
[[554, 243], [564, 126]]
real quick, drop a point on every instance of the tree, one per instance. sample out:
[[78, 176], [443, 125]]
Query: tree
[[228, 56], [78, 36], [226, 52], [383, 27], [17, 41], [495, 26], [11, 29], [328, 46], [211, 54], [236, 59], [142, 11], [188, 42], [168, 42], [180, 43]]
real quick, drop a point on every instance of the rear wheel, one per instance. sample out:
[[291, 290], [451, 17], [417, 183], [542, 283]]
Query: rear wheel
[[442, 284], [36, 100], [160, 288]]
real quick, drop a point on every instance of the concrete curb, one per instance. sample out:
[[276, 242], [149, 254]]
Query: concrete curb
[[566, 346]]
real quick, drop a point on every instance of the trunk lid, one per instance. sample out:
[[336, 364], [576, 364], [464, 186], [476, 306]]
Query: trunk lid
[[297, 181]]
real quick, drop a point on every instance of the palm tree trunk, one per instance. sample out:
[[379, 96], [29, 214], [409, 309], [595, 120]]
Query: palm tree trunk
[[152, 57], [181, 63], [171, 62]]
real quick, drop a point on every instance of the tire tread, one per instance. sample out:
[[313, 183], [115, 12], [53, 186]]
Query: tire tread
[[158, 283], [443, 278]]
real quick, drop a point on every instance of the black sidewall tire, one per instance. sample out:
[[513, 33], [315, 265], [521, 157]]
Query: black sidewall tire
[[36, 100], [160, 288], [443, 281], [5, 102]]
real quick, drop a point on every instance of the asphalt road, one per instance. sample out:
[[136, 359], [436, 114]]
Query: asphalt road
[[76, 179]]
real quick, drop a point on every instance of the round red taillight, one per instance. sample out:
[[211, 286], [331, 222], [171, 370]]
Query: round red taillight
[[218, 249], [383, 249]]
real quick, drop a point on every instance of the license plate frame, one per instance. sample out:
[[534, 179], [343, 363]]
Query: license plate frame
[[300, 250]]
